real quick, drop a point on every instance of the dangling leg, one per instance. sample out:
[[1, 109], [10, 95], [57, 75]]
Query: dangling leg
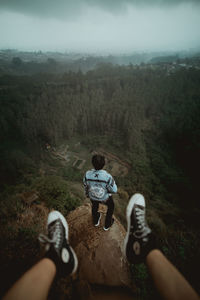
[[35, 283], [59, 258], [139, 246]]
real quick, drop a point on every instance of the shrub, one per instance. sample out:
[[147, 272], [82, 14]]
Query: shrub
[[10, 207], [71, 174], [54, 192], [140, 275], [123, 194]]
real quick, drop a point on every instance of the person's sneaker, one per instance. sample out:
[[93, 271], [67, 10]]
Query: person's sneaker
[[57, 245], [98, 221], [106, 228], [138, 241]]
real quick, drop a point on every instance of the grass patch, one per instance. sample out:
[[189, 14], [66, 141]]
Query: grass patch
[[143, 282], [10, 207], [71, 174], [54, 192]]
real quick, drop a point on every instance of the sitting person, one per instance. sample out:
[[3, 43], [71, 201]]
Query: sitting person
[[139, 247]]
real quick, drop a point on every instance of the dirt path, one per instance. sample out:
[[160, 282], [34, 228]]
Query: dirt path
[[78, 157]]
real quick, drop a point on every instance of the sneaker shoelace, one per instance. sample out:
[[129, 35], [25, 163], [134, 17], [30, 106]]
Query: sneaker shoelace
[[141, 232], [55, 231]]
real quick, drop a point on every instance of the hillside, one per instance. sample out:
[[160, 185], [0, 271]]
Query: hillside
[[144, 120], [59, 186]]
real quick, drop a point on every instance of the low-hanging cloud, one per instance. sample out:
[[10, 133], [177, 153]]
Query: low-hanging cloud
[[140, 29], [68, 9], [100, 25]]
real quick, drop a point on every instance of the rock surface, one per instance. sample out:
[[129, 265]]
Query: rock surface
[[100, 253]]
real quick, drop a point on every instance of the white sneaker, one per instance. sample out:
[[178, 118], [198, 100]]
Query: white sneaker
[[57, 245]]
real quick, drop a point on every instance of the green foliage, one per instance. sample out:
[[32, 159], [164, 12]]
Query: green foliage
[[150, 117], [72, 174], [165, 250], [16, 61], [28, 234], [14, 163], [10, 207], [143, 282], [54, 192]]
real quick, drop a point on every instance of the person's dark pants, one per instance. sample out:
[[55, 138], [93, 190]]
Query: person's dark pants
[[95, 214]]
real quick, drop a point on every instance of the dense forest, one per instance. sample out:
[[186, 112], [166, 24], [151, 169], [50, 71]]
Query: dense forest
[[149, 116], [152, 117]]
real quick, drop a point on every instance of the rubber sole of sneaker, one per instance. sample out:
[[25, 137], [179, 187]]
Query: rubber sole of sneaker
[[135, 199], [106, 229], [97, 224], [75, 261], [53, 216]]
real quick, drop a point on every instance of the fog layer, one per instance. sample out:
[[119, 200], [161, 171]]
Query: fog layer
[[100, 26]]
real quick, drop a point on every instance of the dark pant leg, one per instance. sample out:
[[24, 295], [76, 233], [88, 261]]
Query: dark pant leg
[[110, 210], [95, 213]]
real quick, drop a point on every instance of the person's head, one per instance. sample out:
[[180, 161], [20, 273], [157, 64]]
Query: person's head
[[98, 161]]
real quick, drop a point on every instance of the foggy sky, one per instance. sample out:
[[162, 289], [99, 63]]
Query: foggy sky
[[100, 25]]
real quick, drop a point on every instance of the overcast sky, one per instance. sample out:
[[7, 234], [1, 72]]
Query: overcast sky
[[110, 26]]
